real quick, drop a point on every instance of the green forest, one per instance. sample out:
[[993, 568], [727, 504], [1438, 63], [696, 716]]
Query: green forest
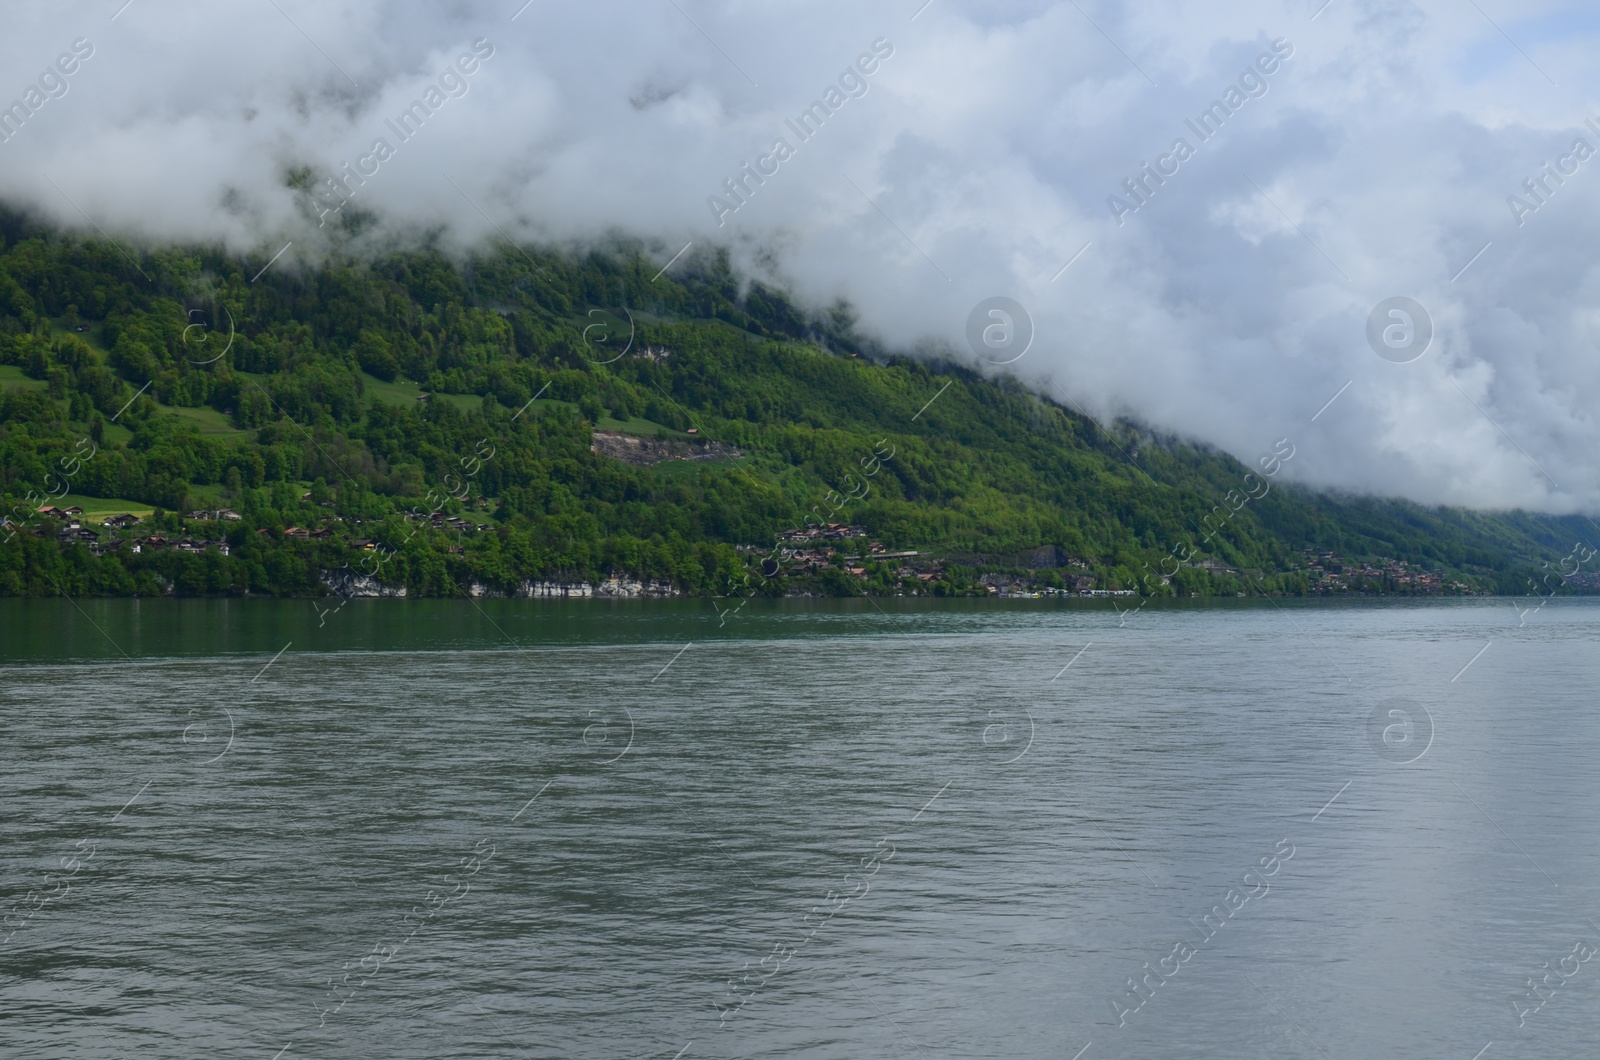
[[448, 426]]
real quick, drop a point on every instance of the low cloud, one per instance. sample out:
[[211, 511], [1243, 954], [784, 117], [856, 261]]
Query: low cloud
[[1397, 152]]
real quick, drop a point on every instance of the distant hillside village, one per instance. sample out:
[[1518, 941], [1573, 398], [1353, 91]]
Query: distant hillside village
[[116, 533], [119, 532], [1331, 575], [826, 556]]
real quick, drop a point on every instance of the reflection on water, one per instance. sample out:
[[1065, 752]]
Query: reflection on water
[[823, 829]]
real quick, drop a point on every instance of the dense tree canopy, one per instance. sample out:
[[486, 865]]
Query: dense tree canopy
[[177, 383]]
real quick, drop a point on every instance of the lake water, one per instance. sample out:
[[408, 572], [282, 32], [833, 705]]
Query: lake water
[[815, 829]]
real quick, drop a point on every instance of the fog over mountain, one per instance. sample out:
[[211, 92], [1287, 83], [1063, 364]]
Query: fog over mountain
[[1236, 186]]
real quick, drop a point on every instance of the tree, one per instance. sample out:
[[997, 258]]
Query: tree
[[373, 354]]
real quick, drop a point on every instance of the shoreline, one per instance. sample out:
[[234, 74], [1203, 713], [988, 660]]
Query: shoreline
[[632, 589]]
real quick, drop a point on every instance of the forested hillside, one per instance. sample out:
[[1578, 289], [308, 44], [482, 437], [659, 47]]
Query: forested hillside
[[431, 425]]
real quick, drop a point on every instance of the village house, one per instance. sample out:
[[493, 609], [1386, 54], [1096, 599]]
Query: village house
[[828, 532]]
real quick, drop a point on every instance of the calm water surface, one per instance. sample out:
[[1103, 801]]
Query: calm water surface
[[909, 829]]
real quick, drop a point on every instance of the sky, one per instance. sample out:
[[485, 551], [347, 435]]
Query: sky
[[1362, 159]]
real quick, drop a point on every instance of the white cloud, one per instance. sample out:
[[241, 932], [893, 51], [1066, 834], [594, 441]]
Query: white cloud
[[1383, 152]]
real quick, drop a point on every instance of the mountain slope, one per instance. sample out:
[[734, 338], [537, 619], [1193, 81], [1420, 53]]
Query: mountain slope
[[297, 401]]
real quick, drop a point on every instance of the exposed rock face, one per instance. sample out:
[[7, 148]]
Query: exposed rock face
[[348, 583], [641, 452]]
